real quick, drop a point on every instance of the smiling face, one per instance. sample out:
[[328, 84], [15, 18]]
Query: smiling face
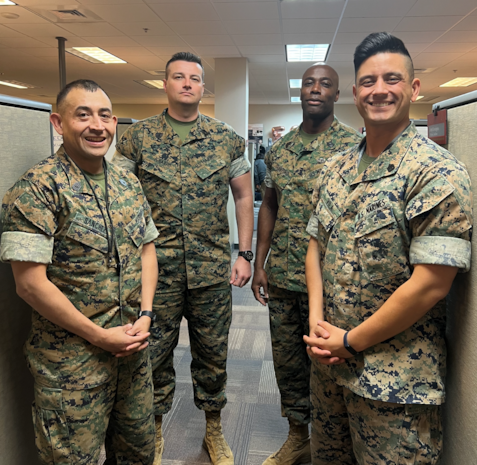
[[319, 92], [184, 84], [86, 122], [384, 90]]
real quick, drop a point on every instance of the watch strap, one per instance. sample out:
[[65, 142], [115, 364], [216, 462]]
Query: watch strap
[[148, 313], [247, 254], [347, 346]]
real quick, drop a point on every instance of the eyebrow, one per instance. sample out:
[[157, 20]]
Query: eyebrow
[[182, 74], [83, 108]]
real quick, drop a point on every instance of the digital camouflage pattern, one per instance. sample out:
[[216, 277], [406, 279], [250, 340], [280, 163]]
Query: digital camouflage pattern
[[372, 229], [288, 311], [53, 199], [348, 429], [293, 169], [72, 425], [187, 186], [208, 311]]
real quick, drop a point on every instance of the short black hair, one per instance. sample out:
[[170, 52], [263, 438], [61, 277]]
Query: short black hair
[[186, 56], [380, 42], [85, 84]]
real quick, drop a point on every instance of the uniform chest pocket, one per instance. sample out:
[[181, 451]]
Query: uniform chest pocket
[[325, 217], [380, 246], [136, 229], [213, 170], [88, 233]]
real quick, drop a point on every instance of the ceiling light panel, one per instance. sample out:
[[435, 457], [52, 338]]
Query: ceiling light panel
[[294, 99], [295, 83], [307, 52], [460, 82], [17, 84], [94, 55], [419, 98], [6, 2], [151, 84]]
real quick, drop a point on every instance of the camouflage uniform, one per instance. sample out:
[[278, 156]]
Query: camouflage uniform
[[292, 170], [51, 216], [187, 186], [411, 206]]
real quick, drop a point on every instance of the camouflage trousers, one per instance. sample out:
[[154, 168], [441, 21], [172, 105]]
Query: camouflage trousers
[[71, 426], [348, 429], [288, 311], [208, 311]]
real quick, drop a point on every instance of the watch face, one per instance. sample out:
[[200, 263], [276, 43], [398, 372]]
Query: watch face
[[248, 255]]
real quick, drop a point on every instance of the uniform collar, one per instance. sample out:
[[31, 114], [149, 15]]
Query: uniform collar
[[386, 164], [200, 130]]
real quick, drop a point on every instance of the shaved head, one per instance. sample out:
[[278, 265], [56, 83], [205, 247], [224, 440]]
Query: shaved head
[[329, 71]]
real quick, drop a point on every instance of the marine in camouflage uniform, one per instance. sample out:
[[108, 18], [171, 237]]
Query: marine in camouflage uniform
[[187, 185], [50, 216], [378, 233], [292, 168]]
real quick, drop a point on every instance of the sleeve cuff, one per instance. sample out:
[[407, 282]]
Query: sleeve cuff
[[239, 167], [123, 162], [312, 228], [268, 179], [19, 246], [151, 232], [440, 250]]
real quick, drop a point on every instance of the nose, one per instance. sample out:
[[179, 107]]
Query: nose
[[97, 123], [316, 88], [380, 87], [187, 83]]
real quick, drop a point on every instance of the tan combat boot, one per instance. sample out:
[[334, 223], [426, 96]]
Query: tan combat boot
[[159, 441], [295, 450], [214, 441]]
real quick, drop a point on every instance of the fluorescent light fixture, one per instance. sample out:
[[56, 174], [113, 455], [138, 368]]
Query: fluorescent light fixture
[[6, 2], [295, 83], [94, 55], [156, 83], [17, 84], [419, 98], [460, 82], [308, 52], [295, 99]]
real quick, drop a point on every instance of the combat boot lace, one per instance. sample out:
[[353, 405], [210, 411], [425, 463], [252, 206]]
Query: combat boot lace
[[295, 450], [215, 443], [159, 441]]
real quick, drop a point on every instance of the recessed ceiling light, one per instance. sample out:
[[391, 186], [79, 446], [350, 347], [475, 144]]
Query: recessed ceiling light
[[295, 83], [94, 55], [6, 2], [307, 52], [295, 99], [156, 84], [17, 84], [419, 98], [460, 82]]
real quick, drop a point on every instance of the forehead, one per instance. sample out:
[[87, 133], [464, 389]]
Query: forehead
[[83, 98], [185, 67], [383, 63], [320, 72]]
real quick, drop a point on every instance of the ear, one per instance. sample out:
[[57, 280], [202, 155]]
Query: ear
[[115, 121], [55, 119], [164, 81], [416, 87], [354, 93], [337, 96]]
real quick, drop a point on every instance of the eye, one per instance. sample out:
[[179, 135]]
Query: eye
[[367, 83]]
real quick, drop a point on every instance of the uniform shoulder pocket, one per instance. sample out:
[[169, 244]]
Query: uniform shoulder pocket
[[136, 229], [325, 216]]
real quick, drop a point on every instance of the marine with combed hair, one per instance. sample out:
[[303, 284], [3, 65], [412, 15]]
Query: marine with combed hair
[[391, 228], [79, 236], [186, 162]]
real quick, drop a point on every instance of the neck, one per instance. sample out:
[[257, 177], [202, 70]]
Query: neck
[[315, 126], [380, 136], [92, 166], [184, 113]]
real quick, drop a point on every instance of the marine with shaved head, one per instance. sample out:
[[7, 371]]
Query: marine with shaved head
[[293, 164]]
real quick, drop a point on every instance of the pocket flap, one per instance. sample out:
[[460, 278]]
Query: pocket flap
[[324, 216], [48, 398], [373, 221], [88, 232], [137, 228], [204, 170]]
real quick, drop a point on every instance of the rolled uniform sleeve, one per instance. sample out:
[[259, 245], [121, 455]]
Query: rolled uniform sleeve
[[239, 165], [128, 149], [440, 217], [268, 179]]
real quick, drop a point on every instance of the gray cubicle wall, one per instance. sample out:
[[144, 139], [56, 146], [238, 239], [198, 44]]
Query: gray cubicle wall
[[25, 139]]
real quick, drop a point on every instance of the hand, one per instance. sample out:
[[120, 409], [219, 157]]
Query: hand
[[326, 345], [260, 280], [241, 272], [117, 340]]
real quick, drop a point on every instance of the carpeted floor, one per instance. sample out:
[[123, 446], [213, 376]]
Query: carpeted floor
[[251, 419]]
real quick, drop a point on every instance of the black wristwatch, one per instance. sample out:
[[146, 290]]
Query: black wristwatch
[[148, 313], [347, 346], [247, 254]]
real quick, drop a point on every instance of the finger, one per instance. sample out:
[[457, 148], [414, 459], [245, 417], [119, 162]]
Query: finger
[[319, 331]]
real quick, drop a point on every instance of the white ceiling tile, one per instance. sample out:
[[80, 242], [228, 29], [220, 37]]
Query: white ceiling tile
[[441, 8], [266, 58], [197, 39], [72, 41], [218, 51], [156, 28], [432, 23], [8, 32], [450, 47], [467, 24], [459, 36], [198, 27], [266, 68], [160, 41], [302, 10], [300, 26], [39, 29], [343, 48], [123, 13], [431, 60], [175, 1], [417, 37], [186, 11], [25, 16], [130, 52], [253, 26], [350, 37], [99, 29], [377, 8], [21, 42], [258, 39], [42, 52], [118, 41], [309, 38], [169, 51], [247, 50], [100, 2], [147, 62], [368, 24], [14, 52], [415, 48], [256, 10], [347, 57]]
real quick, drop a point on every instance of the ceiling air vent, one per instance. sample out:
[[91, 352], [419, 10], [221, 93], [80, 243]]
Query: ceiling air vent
[[161, 73], [74, 14], [68, 14]]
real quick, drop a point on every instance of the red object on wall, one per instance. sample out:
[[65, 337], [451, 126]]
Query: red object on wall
[[437, 127]]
